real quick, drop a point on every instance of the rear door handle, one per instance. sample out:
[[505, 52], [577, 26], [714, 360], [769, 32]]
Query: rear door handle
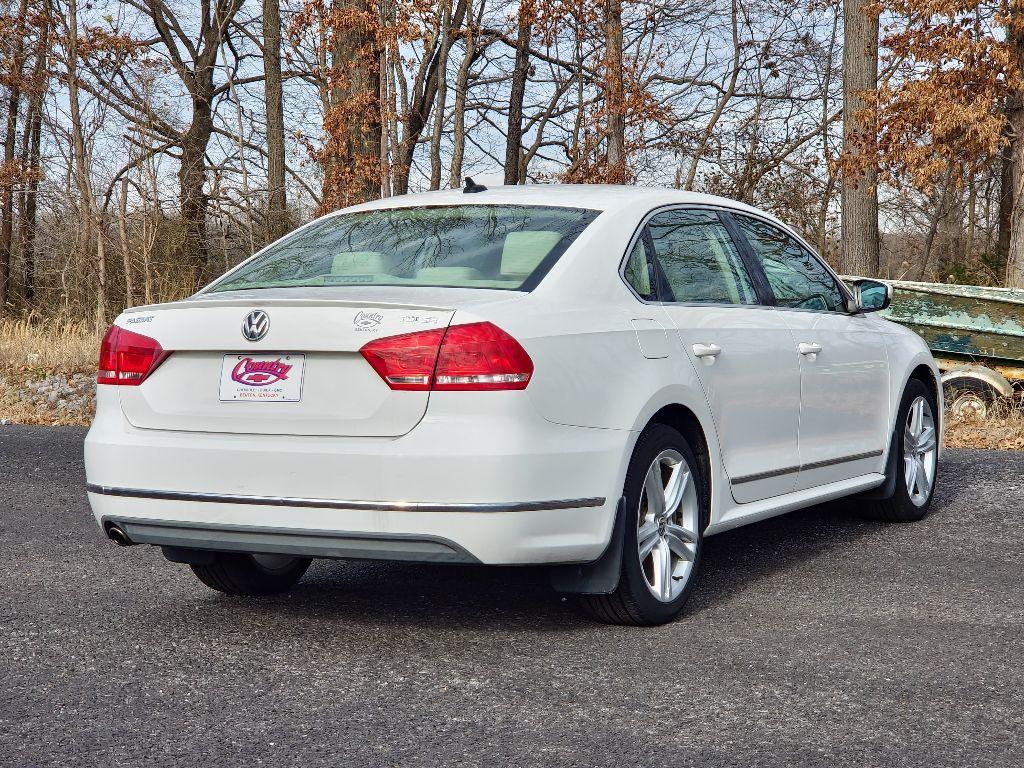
[[706, 350], [808, 349]]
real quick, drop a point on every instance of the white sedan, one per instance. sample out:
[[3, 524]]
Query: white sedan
[[593, 378]]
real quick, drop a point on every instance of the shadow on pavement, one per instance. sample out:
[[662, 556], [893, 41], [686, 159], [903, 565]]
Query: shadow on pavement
[[488, 598]]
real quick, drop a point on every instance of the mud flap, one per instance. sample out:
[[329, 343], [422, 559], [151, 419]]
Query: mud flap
[[888, 488], [600, 577]]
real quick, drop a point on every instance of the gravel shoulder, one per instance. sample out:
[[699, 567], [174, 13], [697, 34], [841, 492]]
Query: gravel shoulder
[[815, 639]]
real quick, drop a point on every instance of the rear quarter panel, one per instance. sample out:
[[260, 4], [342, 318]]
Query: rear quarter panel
[[590, 371]]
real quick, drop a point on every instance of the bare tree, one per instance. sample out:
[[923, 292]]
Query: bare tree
[[10, 146], [520, 72], [1015, 113], [194, 62], [31, 154], [277, 203], [859, 255], [614, 93], [93, 224]]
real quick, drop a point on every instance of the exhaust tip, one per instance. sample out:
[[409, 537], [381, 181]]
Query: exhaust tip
[[117, 535]]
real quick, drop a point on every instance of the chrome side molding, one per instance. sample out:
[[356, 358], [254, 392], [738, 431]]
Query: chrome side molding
[[375, 506], [804, 467]]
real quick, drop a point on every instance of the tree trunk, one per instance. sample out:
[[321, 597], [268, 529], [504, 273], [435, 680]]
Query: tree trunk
[[972, 221], [81, 169], [520, 73], [126, 251], [192, 196], [1015, 248], [938, 212], [860, 237], [196, 72], [10, 145], [614, 93], [420, 106], [33, 162], [1006, 184], [445, 32], [29, 217], [352, 169], [277, 203], [459, 117]]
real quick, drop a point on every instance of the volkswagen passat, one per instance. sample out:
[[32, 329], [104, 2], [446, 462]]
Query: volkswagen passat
[[589, 377]]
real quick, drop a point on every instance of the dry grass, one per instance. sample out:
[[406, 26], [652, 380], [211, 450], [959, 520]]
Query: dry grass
[[33, 348], [18, 411], [1002, 430]]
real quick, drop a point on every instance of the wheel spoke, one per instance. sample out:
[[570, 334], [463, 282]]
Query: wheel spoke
[[678, 538], [909, 442], [675, 488], [646, 538], [910, 469], [664, 570], [916, 416], [654, 490], [926, 440], [922, 477]]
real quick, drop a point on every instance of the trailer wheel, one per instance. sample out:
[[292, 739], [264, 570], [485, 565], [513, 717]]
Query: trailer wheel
[[969, 398]]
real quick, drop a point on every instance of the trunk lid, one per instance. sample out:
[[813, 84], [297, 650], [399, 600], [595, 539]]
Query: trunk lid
[[316, 339]]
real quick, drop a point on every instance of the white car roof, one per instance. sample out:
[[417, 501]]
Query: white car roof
[[600, 197]]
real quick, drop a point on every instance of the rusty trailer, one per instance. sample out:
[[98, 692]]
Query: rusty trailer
[[975, 333]]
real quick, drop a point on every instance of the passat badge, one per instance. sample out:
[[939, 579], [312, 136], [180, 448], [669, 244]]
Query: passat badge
[[255, 325]]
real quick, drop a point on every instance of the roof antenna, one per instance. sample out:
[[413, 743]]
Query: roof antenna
[[472, 186]]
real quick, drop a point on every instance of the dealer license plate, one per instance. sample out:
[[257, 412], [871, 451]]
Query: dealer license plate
[[262, 378]]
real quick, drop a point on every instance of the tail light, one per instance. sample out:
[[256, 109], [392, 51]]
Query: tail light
[[127, 358], [476, 356], [406, 361]]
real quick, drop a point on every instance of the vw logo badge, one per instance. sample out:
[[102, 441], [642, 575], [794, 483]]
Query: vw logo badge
[[256, 325]]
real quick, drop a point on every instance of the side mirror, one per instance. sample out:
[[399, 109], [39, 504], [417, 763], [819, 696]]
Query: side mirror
[[872, 295]]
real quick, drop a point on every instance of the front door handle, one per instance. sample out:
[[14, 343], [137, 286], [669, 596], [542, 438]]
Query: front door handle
[[808, 349], [706, 350]]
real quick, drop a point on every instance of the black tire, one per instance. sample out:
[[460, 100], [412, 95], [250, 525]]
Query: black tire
[[243, 575], [969, 396], [899, 508], [632, 603]]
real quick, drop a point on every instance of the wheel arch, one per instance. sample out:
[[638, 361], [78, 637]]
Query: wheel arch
[[926, 375], [921, 367], [688, 424], [982, 374]]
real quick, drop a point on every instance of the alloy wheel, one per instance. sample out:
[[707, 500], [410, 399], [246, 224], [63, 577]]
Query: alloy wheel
[[920, 451], [667, 526]]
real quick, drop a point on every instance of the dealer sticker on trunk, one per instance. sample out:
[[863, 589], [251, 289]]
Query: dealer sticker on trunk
[[262, 378]]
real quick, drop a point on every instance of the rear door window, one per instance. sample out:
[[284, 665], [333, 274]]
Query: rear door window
[[698, 258]]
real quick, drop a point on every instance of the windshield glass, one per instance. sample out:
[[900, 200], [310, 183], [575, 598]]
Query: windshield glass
[[508, 247]]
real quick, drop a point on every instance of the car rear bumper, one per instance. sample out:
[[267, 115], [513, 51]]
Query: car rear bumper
[[483, 484]]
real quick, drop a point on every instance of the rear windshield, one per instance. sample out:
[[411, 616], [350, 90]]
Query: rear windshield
[[508, 247]]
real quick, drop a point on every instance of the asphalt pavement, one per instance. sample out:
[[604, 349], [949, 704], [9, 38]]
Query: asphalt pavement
[[814, 639]]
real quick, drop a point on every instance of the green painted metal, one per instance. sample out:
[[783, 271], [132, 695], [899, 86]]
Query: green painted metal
[[965, 322]]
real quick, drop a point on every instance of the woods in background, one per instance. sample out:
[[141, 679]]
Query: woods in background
[[149, 144]]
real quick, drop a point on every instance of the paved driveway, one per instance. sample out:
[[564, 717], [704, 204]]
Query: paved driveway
[[813, 639]]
